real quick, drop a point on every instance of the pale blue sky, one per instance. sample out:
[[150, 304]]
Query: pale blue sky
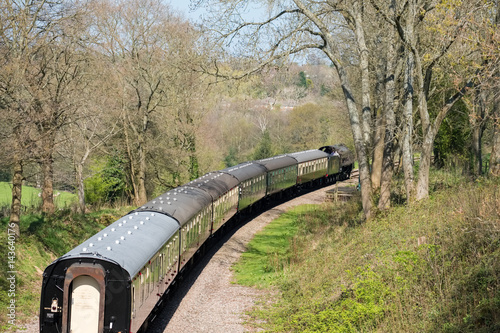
[[254, 11], [183, 7]]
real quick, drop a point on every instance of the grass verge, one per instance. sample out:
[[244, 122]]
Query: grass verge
[[430, 267]]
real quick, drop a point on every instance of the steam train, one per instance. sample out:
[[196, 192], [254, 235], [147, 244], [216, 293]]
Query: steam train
[[117, 280]]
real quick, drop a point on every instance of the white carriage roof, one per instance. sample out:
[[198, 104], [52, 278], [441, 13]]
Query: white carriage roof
[[181, 203], [131, 241], [308, 155], [277, 162], [215, 183], [245, 171]]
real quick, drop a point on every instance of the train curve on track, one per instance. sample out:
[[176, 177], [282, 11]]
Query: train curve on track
[[207, 301]]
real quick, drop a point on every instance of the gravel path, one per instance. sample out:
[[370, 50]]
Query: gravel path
[[207, 301]]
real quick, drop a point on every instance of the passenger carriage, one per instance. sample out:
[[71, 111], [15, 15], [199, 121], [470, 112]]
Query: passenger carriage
[[118, 278]]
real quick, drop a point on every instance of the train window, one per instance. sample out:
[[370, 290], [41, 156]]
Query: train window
[[184, 239], [168, 257]]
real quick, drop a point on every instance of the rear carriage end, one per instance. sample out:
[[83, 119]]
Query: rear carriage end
[[111, 281]]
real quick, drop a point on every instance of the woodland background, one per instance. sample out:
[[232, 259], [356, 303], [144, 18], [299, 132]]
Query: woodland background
[[119, 101]]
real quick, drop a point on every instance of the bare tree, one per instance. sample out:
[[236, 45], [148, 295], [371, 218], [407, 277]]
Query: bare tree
[[390, 104], [89, 130], [419, 28], [33, 81], [491, 48], [151, 51], [291, 28]]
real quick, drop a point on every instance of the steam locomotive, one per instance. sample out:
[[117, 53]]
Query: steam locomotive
[[117, 280]]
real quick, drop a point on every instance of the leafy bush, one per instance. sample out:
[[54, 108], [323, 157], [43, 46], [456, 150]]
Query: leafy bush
[[109, 183]]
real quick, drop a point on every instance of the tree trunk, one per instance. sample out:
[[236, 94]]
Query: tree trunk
[[80, 187], [364, 167], [495, 153], [477, 159], [17, 185], [364, 55], [130, 158], [362, 134], [477, 132], [47, 164], [425, 162], [378, 152], [141, 195], [408, 127], [390, 122], [334, 55]]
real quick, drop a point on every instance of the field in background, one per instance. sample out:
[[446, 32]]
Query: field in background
[[31, 200]]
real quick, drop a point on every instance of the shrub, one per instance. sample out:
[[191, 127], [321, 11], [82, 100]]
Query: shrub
[[109, 184]]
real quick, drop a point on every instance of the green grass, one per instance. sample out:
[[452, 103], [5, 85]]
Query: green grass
[[30, 199], [268, 250], [43, 239], [430, 267]]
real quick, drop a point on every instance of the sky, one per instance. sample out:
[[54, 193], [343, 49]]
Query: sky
[[182, 6]]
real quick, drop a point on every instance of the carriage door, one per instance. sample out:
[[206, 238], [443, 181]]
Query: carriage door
[[85, 301]]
